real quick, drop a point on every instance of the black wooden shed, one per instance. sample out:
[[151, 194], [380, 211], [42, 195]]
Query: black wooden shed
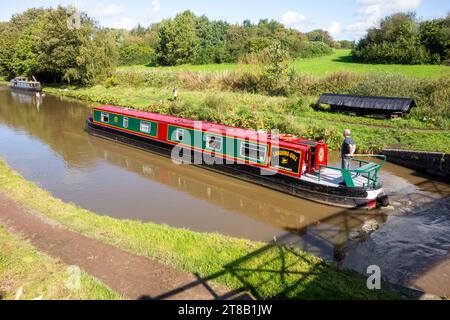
[[390, 107]]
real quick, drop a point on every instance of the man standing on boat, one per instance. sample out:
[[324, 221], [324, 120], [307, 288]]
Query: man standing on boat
[[347, 150]]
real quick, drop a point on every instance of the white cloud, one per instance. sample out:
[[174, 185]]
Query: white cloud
[[384, 7], [293, 19], [371, 11], [109, 10], [335, 29], [124, 23], [156, 6]]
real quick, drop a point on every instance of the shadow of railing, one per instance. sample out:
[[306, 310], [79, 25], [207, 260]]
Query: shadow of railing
[[240, 270], [280, 270], [277, 271]]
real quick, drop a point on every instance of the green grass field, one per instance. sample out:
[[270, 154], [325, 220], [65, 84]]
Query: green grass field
[[341, 60]]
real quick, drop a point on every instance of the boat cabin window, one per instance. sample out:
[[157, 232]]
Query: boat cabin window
[[253, 151], [104, 117], [146, 126], [180, 134], [125, 122], [213, 143]]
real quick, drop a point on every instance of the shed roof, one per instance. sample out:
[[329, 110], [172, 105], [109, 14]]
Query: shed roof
[[368, 102]]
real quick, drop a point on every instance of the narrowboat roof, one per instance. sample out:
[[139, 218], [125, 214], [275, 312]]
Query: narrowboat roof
[[175, 120], [23, 79]]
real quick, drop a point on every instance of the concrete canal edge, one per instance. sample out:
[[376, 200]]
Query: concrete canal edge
[[433, 163]]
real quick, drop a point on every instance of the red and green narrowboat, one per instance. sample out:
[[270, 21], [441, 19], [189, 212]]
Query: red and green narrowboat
[[286, 163]]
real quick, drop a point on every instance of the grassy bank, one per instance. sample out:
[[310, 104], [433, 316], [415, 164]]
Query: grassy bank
[[40, 276], [268, 271], [289, 115], [341, 60]]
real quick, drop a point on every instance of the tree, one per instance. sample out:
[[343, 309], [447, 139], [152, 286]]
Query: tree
[[10, 34], [8, 40], [321, 36], [81, 55], [97, 58], [395, 41], [178, 40], [25, 57], [346, 44], [435, 36], [212, 36], [39, 42], [293, 40], [152, 36], [138, 31], [135, 49], [275, 71], [236, 43]]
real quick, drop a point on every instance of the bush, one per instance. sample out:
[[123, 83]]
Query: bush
[[133, 54], [151, 78], [400, 52], [309, 49], [402, 39], [300, 105]]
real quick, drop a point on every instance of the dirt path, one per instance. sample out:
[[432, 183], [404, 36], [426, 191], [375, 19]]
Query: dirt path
[[134, 276]]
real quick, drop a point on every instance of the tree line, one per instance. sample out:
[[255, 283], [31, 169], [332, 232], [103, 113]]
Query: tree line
[[403, 39], [41, 42], [198, 40]]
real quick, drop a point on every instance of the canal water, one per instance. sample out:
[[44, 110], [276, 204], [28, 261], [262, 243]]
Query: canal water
[[43, 138]]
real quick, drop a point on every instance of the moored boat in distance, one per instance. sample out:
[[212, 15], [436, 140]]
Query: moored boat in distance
[[21, 83], [286, 163]]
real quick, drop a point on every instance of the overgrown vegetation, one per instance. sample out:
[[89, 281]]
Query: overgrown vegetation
[[402, 39], [26, 273], [267, 271], [277, 78]]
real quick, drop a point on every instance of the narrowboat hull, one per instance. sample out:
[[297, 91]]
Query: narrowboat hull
[[28, 89], [341, 196]]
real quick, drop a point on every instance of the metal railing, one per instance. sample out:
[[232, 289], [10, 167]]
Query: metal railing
[[367, 169]]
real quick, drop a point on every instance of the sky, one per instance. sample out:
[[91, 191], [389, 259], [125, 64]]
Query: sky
[[344, 19]]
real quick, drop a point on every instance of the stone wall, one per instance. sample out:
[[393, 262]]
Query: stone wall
[[434, 163]]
